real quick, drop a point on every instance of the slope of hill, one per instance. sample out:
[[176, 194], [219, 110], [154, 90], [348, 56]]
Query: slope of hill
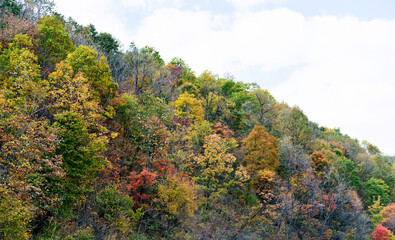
[[97, 143]]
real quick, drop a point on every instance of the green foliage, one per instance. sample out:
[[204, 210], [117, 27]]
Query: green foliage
[[375, 188], [14, 216], [97, 72], [296, 125], [11, 6], [197, 132], [106, 42], [115, 207], [54, 43], [376, 211], [165, 150], [81, 151], [348, 172]]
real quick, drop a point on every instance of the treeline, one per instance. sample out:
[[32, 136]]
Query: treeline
[[100, 143]]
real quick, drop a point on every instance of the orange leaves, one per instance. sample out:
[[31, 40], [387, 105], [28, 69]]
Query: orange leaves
[[320, 161], [261, 150], [139, 184]]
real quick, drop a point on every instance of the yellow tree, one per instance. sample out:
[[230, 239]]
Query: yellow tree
[[261, 150], [215, 169], [188, 108], [177, 198]]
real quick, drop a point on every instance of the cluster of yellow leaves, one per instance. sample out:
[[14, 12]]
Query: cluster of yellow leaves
[[177, 197], [188, 107], [216, 171]]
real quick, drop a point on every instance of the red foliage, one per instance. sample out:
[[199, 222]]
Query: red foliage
[[329, 202], [381, 233], [140, 183]]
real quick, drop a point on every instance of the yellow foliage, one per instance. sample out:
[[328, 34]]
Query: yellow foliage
[[177, 196], [262, 150], [188, 107]]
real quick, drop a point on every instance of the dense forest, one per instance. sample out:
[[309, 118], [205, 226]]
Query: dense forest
[[102, 143]]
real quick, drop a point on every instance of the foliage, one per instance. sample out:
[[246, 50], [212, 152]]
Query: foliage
[[54, 43], [214, 169], [14, 216], [261, 150], [177, 197], [374, 189], [121, 145], [113, 206], [188, 108], [382, 233]]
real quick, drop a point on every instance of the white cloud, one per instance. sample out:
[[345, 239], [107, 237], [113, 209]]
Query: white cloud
[[247, 4], [134, 3], [151, 4]]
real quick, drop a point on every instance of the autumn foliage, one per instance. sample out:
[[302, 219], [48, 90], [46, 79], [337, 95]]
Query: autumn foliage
[[101, 143]]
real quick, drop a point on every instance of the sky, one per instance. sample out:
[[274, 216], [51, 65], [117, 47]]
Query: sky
[[334, 59]]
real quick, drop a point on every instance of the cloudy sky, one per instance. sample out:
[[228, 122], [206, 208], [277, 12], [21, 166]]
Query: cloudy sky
[[334, 59]]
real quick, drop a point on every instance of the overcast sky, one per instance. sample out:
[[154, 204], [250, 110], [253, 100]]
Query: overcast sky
[[334, 59]]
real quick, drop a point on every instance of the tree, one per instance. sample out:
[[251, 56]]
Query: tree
[[374, 189], [54, 44], [382, 233], [11, 6], [142, 66], [188, 108], [215, 106], [376, 211], [320, 161], [84, 60], [14, 216], [81, 149], [12, 26], [106, 43], [389, 217], [197, 132], [215, 170], [177, 199], [261, 150], [264, 108], [296, 125]]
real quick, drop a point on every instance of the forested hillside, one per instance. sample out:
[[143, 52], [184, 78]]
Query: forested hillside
[[101, 143]]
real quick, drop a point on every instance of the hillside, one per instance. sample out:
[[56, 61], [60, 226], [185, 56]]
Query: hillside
[[99, 143]]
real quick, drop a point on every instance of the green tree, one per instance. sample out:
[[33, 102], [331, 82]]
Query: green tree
[[82, 151], [296, 125], [97, 72], [54, 44], [11, 6], [375, 188], [106, 43]]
